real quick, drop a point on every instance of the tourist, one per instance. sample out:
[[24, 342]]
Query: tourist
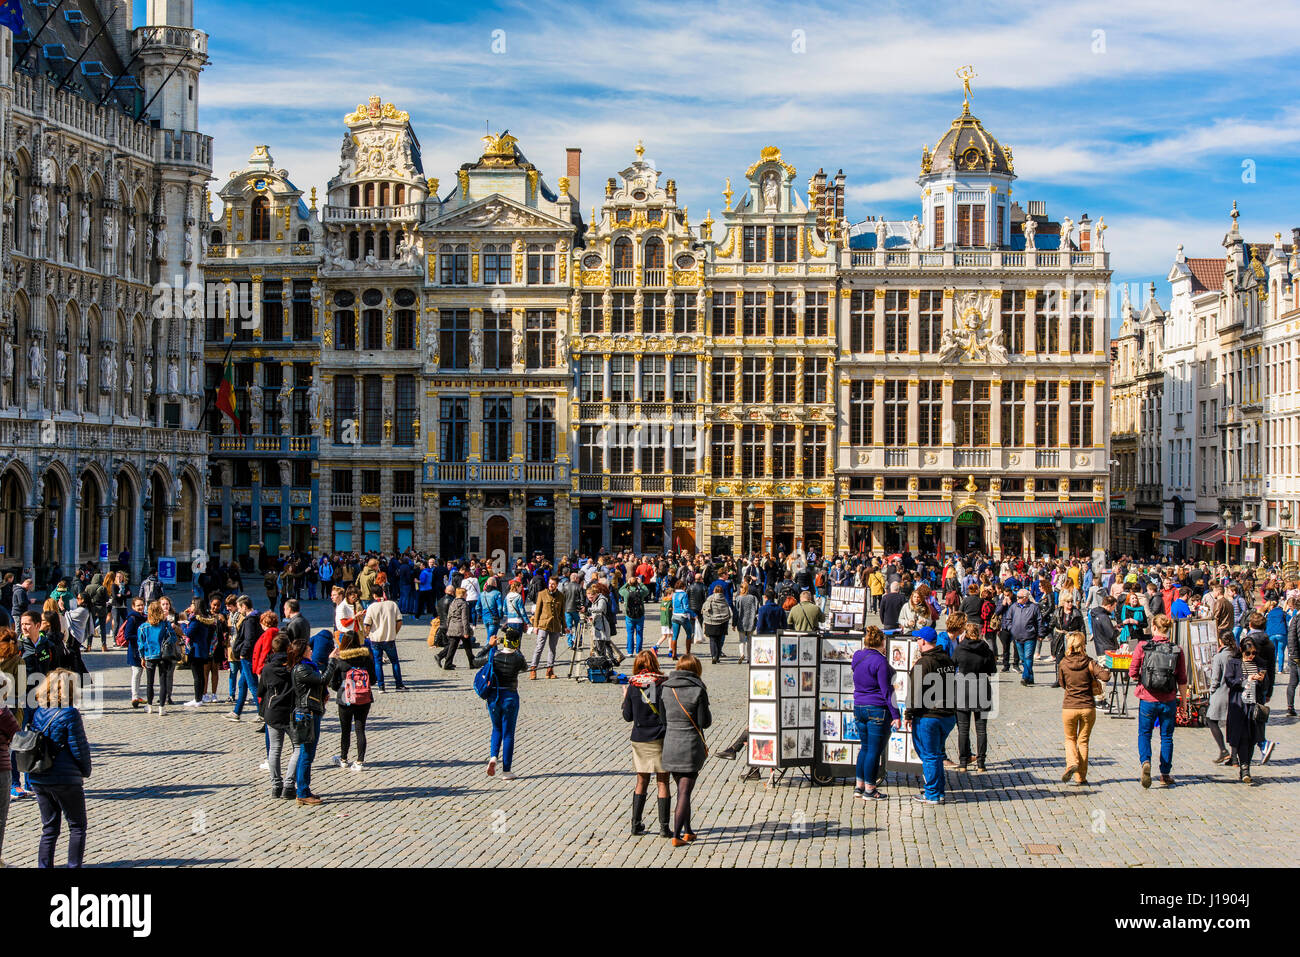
[[634, 595], [1133, 620], [1245, 677], [975, 661], [491, 606], [516, 616], [503, 704], [1161, 671], [805, 616], [1066, 619], [917, 613], [1026, 626], [548, 622], [250, 629], [1266, 658], [157, 645], [875, 711], [275, 697], [715, 616], [9, 726], [746, 617], [304, 723], [350, 672], [891, 606], [12, 671], [931, 712], [1081, 678], [684, 750], [1293, 655], [643, 705], [1216, 711], [60, 790], [383, 621], [459, 630], [200, 636], [683, 620]]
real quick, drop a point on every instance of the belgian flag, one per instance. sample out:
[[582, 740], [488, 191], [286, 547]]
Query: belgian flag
[[226, 401]]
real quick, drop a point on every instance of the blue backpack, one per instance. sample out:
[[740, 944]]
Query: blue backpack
[[485, 681]]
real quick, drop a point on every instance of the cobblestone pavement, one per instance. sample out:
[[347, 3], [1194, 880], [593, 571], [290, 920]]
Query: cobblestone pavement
[[185, 789]]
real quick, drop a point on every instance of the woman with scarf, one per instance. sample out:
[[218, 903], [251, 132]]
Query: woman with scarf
[[643, 705], [200, 637], [308, 708], [1245, 677]]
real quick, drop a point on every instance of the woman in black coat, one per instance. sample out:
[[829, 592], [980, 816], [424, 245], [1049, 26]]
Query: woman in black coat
[[1245, 678], [686, 713], [275, 697], [643, 705], [975, 661], [309, 694]]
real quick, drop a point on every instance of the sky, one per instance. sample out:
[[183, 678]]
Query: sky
[[1155, 116]]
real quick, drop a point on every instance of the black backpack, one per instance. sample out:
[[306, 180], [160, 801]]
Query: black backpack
[[1160, 666], [634, 607], [32, 750]]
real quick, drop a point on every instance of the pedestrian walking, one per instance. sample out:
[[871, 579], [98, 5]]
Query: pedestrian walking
[[350, 672], [1245, 677], [1081, 678], [158, 650], [60, 789], [716, 616], [643, 705], [275, 706], [634, 595], [547, 623], [684, 751], [975, 661], [1216, 711], [309, 694], [383, 621], [460, 631], [1161, 673], [931, 712], [746, 617], [503, 705]]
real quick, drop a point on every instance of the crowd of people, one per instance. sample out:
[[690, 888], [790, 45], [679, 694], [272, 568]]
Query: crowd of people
[[968, 616]]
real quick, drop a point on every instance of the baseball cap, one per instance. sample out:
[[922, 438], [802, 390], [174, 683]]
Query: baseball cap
[[926, 634]]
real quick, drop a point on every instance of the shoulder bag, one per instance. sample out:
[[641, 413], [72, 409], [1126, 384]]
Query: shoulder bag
[[704, 743]]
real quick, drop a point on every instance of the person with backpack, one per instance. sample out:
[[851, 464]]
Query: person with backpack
[[351, 672], [59, 784], [309, 694], [158, 650], [1161, 674], [150, 589], [634, 595], [643, 705], [200, 637], [275, 696], [506, 663]]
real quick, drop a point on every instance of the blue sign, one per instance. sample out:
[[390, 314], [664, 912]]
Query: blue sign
[[103, 551], [167, 571]]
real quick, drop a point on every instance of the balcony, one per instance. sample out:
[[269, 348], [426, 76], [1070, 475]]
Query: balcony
[[969, 458], [1047, 459], [623, 277], [165, 38], [895, 458], [371, 214], [406, 500], [974, 259], [342, 500], [262, 445], [494, 473], [655, 277], [186, 147]]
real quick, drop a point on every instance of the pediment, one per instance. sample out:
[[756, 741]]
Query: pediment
[[498, 212]]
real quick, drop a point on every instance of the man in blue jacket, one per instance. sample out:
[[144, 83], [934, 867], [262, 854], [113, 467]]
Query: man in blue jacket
[[1026, 625]]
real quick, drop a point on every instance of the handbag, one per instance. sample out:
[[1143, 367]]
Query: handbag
[[693, 724], [302, 727], [434, 626]]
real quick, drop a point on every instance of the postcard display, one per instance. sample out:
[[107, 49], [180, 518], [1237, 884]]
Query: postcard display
[[783, 699], [847, 607], [1200, 642], [837, 731]]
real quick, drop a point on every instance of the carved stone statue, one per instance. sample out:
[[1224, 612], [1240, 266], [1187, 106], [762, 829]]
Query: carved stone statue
[[476, 347], [107, 371], [130, 241], [255, 400], [163, 241], [60, 367], [63, 221], [85, 227], [110, 236], [189, 245], [314, 405], [173, 377], [40, 215], [1029, 227], [771, 187], [914, 232], [882, 233], [129, 374], [83, 369], [517, 344], [372, 262], [562, 346], [284, 400], [7, 359], [148, 375], [35, 363], [1067, 227], [148, 241], [1099, 242]]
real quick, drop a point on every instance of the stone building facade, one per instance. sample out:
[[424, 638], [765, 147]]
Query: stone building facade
[[100, 360], [1137, 459]]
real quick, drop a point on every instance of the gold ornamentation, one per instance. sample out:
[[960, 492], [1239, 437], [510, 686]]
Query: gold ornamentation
[[374, 111], [463, 177], [563, 183], [727, 194], [432, 183], [770, 154]]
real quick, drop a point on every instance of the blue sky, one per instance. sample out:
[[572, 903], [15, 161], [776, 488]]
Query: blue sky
[[1142, 112]]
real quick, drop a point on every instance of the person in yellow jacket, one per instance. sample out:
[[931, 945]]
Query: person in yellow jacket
[[366, 581], [876, 582]]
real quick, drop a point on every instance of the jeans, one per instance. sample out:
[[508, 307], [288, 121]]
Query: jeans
[[1149, 713], [571, 620], [635, 634], [1279, 645], [275, 739], [4, 814], [1026, 651], [492, 627], [389, 648], [300, 766], [311, 590], [57, 801], [873, 732], [981, 720], [929, 736], [247, 685], [504, 711], [683, 626]]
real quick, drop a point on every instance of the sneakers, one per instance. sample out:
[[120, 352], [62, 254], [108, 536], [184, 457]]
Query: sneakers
[[231, 716], [492, 767], [264, 766], [874, 795], [148, 708], [161, 711], [508, 776], [857, 793], [1146, 774], [136, 702], [1268, 752], [377, 690], [193, 704], [358, 766], [337, 762], [922, 799]]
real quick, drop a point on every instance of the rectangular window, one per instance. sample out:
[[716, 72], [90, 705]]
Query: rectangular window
[[345, 408], [970, 224], [622, 457], [938, 228], [453, 339], [896, 321], [496, 340], [591, 450], [785, 320], [930, 412], [496, 428], [654, 379], [593, 313], [273, 311], [862, 412], [754, 244], [1000, 238], [591, 378], [895, 413], [453, 429], [372, 329], [816, 315], [1081, 415], [404, 329], [684, 379], [372, 410], [1081, 324], [723, 386], [1013, 321], [862, 320], [539, 338], [724, 314], [622, 378], [654, 314], [970, 412], [496, 265], [783, 452], [1013, 414], [753, 451], [1047, 322], [685, 314], [345, 330], [371, 481], [815, 381], [405, 410], [403, 482], [1047, 417], [541, 264], [754, 380], [539, 434], [754, 315], [341, 480], [930, 327], [814, 453], [302, 310], [723, 451], [454, 264], [785, 245], [622, 317], [784, 379]]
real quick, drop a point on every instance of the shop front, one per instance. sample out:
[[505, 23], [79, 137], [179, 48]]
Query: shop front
[[590, 530], [620, 524], [1049, 529], [652, 529], [970, 533], [683, 526], [896, 525], [539, 525], [1175, 543], [453, 525]]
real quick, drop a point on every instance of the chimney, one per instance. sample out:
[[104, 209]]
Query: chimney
[[1295, 238], [573, 170], [839, 196]]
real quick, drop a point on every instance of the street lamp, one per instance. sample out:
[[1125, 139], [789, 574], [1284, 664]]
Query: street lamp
[[900, 514], [749, 528], [1227, 524]]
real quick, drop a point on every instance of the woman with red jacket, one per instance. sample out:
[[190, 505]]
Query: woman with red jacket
[[270, 628]]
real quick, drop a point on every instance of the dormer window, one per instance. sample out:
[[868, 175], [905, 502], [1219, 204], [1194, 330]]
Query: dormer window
[[970, 224], [261, 228], [654, 216]]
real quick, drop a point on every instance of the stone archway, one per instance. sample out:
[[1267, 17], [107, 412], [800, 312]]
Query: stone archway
[[498, 543]]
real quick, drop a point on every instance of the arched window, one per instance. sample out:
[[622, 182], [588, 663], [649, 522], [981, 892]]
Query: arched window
[[399, 194], [354, 246], [369, 244], [383, 244], [623, 253], [261, 228], [654, 253], [216, 237], [370, 194], [304, 235], [383, 194], [354, 195]]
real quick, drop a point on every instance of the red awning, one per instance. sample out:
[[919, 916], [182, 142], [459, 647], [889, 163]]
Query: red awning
[[1237, 533], [652, 511], [886, 510], [621, 510], [1212, 537], [1047, 510], [1259, 537], [1187, 531]]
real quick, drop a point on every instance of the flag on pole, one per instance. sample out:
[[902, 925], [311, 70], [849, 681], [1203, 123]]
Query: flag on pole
[[11, 15], [226, 401]]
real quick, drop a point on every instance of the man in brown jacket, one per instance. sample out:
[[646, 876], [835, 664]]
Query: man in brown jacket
[[548, 619], [1223, 617]]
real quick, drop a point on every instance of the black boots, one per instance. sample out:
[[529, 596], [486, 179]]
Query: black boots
[[665, 805], [638, 806]]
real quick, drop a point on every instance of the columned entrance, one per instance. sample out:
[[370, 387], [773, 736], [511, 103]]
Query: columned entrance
[[970, 533]]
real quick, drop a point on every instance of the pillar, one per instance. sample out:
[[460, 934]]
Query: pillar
[[29, 539], [636, 525], [169, 528], [70, 531], [105, 512], [604, 524]]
